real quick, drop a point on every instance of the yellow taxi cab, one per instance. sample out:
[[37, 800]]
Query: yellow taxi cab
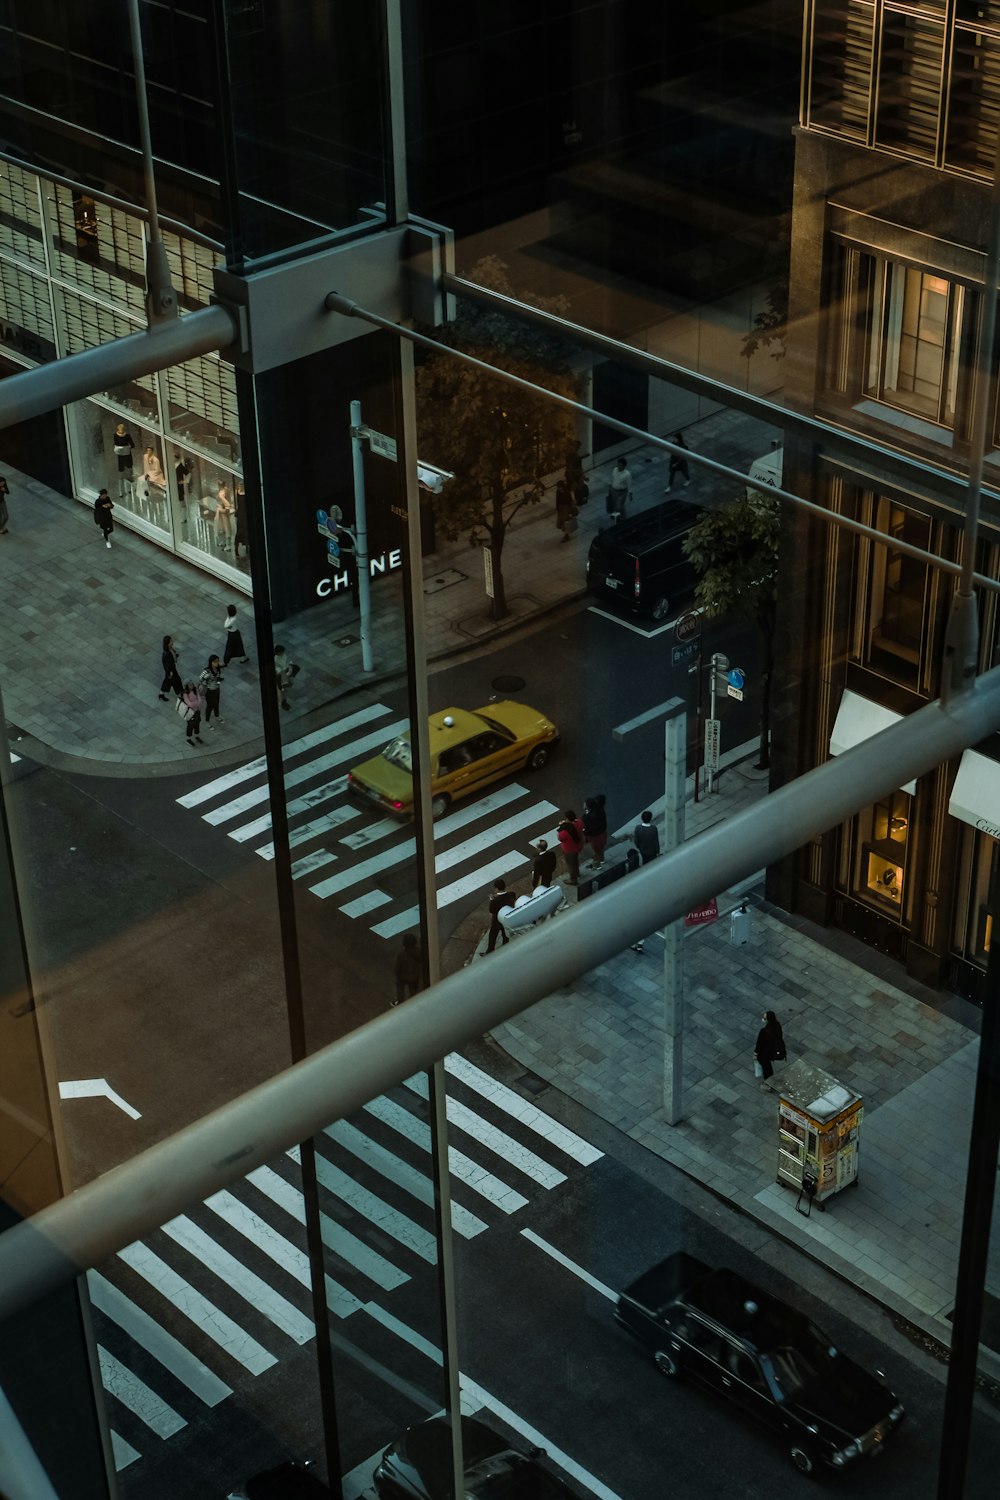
[[469, 750]]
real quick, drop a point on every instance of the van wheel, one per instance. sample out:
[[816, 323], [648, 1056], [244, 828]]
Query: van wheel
[[440, 805], [666, 1364], [803, 1460], [661, 609], [538, 758]]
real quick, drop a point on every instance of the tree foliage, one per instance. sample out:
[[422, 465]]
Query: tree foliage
[[735, 554], [500, 441]]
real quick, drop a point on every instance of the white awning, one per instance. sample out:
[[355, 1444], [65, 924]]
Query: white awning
[[857, 720], [975, 797]]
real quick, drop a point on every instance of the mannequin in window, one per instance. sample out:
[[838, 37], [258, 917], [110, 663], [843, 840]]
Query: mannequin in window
[[123, 442], [153, 475], [223, 518], [182, 472]]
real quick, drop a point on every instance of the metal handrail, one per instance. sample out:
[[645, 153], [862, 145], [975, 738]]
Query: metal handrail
[[97, 1220]]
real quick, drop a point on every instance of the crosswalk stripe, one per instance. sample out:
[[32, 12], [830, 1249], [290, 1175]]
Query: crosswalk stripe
[[310, 862], [123, 1452], [476, 880], [165, 1349], [295, 747], [329, 820], [492, 1137], [259, 1232], [240, 1279], [461, 1167], [251, 830], [368, 867], [341, 756], [212, 1321], [345, 1245], [370, 901], [390, 1220], [412, 1181], [488, 838], [371, 834], [522, 1110], [125, 1385]]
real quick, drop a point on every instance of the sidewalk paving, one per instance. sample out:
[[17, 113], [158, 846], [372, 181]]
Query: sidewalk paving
[[895, 1234]]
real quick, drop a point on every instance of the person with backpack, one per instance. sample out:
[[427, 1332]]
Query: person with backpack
[[570, 836]]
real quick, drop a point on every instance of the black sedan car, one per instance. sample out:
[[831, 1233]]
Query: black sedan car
[[417, 1466], [763, 1356], [289, 1481]]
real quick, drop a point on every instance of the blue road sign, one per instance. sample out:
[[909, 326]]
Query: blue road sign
[[736, 678]]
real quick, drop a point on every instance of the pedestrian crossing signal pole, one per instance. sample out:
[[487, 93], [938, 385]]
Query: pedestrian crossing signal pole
[[674, 715]]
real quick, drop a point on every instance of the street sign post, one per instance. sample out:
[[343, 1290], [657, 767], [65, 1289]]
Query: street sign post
[[688, 626], [712, 742]]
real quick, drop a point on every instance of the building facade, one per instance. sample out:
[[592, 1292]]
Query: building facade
[[889, 265]]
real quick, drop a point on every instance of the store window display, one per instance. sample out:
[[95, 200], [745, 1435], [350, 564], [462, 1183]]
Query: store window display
[[111, 452]]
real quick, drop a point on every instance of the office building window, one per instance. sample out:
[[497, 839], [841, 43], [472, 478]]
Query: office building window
[[910, 82], [895, 597], [974, 96], [841, 81], [915, 337]]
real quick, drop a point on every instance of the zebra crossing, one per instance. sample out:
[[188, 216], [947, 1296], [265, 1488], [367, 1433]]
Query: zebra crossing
[[221, 1294], [349, 854]]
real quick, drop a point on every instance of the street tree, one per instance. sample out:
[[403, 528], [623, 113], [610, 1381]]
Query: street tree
[[735, 554], [502, 443]]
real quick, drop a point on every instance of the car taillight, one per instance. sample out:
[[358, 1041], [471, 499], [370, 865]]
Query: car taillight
[[398, 806], [635, 586]]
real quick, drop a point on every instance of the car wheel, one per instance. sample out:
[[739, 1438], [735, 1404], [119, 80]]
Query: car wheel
[[440, 805], [666, 1364], [538, 758], [803, 1460], [661, 609]]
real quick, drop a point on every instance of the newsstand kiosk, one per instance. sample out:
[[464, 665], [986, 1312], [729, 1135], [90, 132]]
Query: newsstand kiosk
[[819, 1132]]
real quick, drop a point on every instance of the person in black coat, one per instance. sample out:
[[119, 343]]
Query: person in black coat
[[171, 676], [595, 827], [770, 1046], [499, 901]]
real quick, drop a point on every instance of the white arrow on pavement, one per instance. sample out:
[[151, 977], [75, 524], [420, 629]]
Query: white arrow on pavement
[[96, 1088]]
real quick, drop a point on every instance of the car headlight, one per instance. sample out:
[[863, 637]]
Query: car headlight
[[844, 1455]]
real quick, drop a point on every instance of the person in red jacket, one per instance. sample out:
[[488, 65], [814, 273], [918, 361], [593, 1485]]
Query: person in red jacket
[[570, 836]]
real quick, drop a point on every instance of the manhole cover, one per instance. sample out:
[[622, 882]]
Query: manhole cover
[[507, 684], [346, 640]]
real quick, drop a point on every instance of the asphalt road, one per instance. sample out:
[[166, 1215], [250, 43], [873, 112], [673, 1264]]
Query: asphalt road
[[153, 926], [539, 1348]]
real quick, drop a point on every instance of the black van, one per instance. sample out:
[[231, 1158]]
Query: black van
[[640, 563]]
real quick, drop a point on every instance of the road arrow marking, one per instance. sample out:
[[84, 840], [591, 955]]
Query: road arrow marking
[[96, 1088]]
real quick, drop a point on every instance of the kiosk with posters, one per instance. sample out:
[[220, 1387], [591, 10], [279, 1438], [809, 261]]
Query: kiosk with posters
[[819, 1132]]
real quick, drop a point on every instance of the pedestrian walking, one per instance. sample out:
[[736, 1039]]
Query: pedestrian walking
[[646, 838], [409, 969], [678, 464], [4, 513], [499, 901], [171, 676], [619, 490], [573, 474], [570, 836], [769, 1048], [211, 685], [103, 506], [285, 673], [189, 706], [234, 639], [544, 867], [565, 510], [595, 827]]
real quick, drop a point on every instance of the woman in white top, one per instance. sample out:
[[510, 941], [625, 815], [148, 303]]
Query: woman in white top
[[152, 471]]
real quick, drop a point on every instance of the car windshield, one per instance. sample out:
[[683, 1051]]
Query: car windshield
[[500, 728], [793, 1369], [397, 753]]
